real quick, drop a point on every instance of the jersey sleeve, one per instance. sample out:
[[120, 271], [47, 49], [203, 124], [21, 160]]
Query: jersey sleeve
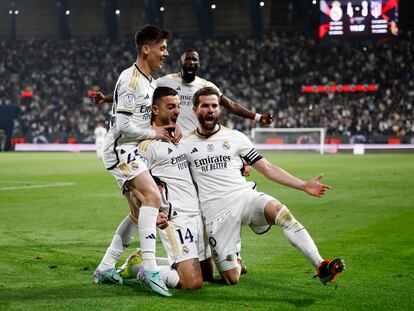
[[146, 151], [211, 84], [246, 149], [125, 98]]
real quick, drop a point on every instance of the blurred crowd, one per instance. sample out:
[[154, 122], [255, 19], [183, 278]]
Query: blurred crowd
[[264, 75]]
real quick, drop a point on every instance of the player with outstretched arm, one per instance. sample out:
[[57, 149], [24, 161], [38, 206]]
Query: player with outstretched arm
[[228, 201]]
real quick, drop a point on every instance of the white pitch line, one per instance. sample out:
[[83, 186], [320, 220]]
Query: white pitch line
[[56, 184]]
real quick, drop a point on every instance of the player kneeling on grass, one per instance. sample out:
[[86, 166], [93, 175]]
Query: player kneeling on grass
[[180, 218], [227, 200]]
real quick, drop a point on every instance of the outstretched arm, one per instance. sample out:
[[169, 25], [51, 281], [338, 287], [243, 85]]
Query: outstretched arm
[[100, 98], [241, 111], [276, 174]]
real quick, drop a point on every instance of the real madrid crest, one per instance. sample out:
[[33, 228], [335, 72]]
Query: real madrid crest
[[185, 249], [210, 147], [226, 145]]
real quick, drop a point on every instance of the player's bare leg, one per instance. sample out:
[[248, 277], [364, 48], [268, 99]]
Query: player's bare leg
[[278, 214], [190, 274], [208, 269], [229, 270]]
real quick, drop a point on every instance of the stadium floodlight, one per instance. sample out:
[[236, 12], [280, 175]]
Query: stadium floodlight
[[261, 3], [299, 139], [67, 12], [16, 12], [162, 9], [117, 12], [213, 6]]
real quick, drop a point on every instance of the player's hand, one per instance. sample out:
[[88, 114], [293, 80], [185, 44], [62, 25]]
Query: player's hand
[[177, 134], [246, 169], [315, 188], [266, 118], [163, 132], [98, 98], [162, 221]]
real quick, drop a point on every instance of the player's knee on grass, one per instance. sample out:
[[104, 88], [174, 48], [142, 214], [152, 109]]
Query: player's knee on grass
[[190, 274], [230, 277], [229, 269], [271, 209]]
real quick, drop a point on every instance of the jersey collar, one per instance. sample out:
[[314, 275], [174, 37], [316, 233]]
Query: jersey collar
[[148, 78], [207, 136]]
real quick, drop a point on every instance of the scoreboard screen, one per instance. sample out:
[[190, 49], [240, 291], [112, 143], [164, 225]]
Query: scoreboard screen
[[358, 18]]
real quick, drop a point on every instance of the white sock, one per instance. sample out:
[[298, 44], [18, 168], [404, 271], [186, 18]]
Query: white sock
[[169, 276], [148, 235], [298, 236], [123, 236]]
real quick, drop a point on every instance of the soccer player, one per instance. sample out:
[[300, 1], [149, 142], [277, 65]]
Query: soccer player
[[227, 200], [183, 237], [186, 83], [131, 123], [99, 133]]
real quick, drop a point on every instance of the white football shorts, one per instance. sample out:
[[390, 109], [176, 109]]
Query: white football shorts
[[224, 232], [130, 164], [185, 239]]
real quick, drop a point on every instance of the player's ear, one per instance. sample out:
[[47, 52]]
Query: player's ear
[[154, 109], [195, 110], [145, 49]]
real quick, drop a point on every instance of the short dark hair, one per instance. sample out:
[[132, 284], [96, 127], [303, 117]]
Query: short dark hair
[[161, 92], [150, 33], [205, 91], [189, 51]]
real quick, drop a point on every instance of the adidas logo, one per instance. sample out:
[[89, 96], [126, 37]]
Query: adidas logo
[[175, 213], [178, 89], [194, 150], [147, 97], [150, 237], [169, 150]]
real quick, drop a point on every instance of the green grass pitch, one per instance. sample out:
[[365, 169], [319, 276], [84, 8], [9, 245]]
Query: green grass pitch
[[58, 212]]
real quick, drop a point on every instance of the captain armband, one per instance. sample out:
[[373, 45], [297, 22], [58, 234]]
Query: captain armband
[[252, 157]]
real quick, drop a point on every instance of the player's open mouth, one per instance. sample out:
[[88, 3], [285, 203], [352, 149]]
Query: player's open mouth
[[209, 119]]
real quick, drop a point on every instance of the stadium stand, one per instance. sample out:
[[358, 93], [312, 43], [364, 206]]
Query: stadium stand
[[265, 75]]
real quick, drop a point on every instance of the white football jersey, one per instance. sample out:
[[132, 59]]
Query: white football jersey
[[133, 95], [215, 164], [187, 120], [168, 162]]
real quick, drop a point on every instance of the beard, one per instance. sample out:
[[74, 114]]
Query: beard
[[207, 122]]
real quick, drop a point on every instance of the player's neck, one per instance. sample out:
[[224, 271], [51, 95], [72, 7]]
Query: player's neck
[[187, 78], [203, 132], [144, 68]]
